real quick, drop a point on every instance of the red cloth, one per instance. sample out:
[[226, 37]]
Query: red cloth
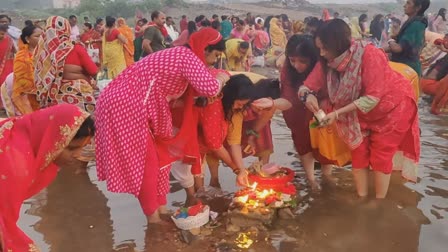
[[127, 128], [6, 58], [183, 24], [439, 89], [79, 57], [203, 38], [392, 90], [326, 15], [113, 35], [29, 145], [92, 35]]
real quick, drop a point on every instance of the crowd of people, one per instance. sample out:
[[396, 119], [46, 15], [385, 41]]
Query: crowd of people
[[181, 99]]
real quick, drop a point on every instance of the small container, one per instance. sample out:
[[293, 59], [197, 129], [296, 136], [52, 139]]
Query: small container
[[320, 115]]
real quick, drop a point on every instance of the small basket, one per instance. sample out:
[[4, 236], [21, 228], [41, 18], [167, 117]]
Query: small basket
[[193, 221]]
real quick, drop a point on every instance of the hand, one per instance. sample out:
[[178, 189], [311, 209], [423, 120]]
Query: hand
[[222, 78], [241, 179], [251, 145], [312, 103], [263, 103], [211, 100], [329, 119]]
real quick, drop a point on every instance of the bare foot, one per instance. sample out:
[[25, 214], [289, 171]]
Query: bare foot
[[315, 187], [215, 183], [163, 210], [154, 218], [330, 180], [191, 201]]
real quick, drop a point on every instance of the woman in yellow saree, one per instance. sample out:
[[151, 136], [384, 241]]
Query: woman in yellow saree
[[278, 42], [113, 55], [128, 47]]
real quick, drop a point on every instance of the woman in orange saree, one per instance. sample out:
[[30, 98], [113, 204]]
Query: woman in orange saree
[[31, 149], [128, 47]]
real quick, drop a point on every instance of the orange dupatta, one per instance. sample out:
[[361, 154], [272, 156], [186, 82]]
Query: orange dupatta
[[129, 46]]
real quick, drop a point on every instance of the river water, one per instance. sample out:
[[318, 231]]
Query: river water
[[76, 213]]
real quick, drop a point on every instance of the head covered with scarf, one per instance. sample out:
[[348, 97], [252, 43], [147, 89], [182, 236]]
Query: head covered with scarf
[[50, 54], [200, 40]]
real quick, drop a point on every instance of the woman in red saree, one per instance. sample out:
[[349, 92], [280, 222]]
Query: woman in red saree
[[374, 107], [135, 144], [91, 37], [31, 149], [6, 53]]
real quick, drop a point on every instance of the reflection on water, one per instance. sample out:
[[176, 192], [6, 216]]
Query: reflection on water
[[78, 214]]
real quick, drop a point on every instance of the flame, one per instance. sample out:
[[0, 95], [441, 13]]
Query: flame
[[243, 199], [254, 186], [243, 240]]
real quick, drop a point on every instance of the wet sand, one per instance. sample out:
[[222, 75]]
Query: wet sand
[[77, 213]]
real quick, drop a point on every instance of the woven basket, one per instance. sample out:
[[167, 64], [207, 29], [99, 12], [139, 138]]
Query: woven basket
[[193, 221]]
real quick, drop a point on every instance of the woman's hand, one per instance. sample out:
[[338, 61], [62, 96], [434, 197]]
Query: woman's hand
[[251, 145], [329, 119], [263, 103], [222, 78], [241, 179], [311, 103]]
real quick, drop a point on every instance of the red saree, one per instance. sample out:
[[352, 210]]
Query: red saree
[[6, 58], [28, 146]]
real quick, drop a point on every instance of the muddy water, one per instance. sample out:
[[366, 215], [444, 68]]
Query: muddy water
[[77, 213]]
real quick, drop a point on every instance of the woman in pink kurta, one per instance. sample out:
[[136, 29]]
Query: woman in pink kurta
[[133, 117], [374, 107]]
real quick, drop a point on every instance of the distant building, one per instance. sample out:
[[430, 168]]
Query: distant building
[[62, 4]]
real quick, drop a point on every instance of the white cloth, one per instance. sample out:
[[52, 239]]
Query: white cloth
[[173, 33], [74, 35], [14, 33], [182, 173]]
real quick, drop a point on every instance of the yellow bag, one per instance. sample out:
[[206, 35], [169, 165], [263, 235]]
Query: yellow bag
[[327, 142]]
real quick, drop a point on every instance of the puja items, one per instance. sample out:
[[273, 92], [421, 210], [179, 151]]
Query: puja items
[[272, 189], [318, 116], [191, 217], [443, 42]]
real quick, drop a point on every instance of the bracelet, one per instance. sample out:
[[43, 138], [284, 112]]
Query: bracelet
[[337, 114], [252, 132]]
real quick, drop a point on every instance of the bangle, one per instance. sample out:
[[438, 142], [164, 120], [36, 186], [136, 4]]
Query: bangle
[[337, 114], [252, 132]]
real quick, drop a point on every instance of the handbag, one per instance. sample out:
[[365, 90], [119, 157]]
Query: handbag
[[328, 143]]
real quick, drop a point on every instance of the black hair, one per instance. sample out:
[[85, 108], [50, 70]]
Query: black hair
[[220, 46], [88, 25], [241, 22], [98, 21], [335, 36], [155, 14], [395, 20], [336, 14], [87, 129], [28, 23], [169, 18], [216, 24], [184, 16], [442, 13], [244, 45], [238, 87], [361, 19], [267, 22], [206, 23], [72, 17], [284, 17], [259, 21], [223, 17], [191, 27], [423, 4], [110, 21], [26, 32], [7, 17], [300, 46], [144, 20], [86, 18], [377, 26], [214, 16], [312, 25], [199, 18], [265, 88]]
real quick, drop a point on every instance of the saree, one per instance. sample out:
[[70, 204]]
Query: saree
[[23, 90], [90, 36], [128, 48], [278, 36], [6, 57], [113, 57], [28, 147]]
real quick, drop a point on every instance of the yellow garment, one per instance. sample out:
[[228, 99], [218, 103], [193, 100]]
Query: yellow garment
[[327, 141], [23, 90], [235, 60], [409, 74], [298, 27], [278, 36], [129, 46], [356, 29], [113, 57]]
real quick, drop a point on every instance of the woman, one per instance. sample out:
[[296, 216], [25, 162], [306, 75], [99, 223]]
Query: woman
[[91, 37], [438, 23], [286, 25], [63, 72], [374, 107], [185, 35], [435, 83], [113, 49], [377, 29], [23, 89], [33, 146], [301, 57], [410, 40], [298, 27], [99, 26], [363, 25], [278, 36], [133, 155], [239, 32], [6, 53], [128, 47]]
